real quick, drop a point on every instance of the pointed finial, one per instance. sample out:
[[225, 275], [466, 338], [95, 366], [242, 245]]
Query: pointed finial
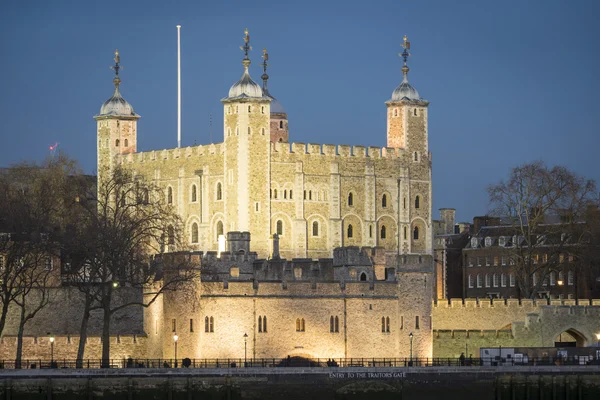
[[405, 54], [117, 67], [264, 76], [246, 48]]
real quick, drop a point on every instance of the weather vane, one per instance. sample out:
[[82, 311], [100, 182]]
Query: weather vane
[[246, 47], [406, 46], [264, 76], [117, 67]]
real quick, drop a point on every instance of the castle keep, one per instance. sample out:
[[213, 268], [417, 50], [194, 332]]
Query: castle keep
[[314, 197]]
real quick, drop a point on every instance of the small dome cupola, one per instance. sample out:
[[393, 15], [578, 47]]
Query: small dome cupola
[[276, 107], [245, 88], [117, 106], [405, 91]]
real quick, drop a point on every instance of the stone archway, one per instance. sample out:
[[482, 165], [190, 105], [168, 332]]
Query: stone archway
[[569, 338]]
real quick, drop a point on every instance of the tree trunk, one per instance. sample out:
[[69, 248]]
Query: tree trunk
[[83, 332], [106, 331], [20, 339], [5, 305]]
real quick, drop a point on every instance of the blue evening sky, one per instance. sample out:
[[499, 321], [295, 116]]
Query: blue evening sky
[[509, 81]]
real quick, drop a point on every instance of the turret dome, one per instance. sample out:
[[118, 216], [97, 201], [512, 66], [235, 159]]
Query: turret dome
[[405, 91], [245, 87], [117, 106]]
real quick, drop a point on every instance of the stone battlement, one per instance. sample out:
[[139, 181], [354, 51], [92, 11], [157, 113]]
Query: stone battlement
[[300, 288], [511, 303], [171, 154], [332, 150]]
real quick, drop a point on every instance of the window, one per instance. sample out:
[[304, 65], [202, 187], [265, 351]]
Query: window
[[262, 324], [249, 131], [383, 232], [405, 233], [300, 325], [415, 112], [503, 280], [126, 143], [350, 199], [417, 202], [279, 227], [310, 194], [262, 131], [487, 280], [479, 261], [363, 277], [173, 325], [219, 191], [512, 280], [170, 235], [503, 260], [552, 278], [117, 143], [170, 195], [275, 193], [209, 324], [194, 233], [417, 322], [487, 261], [395, 112], [488, 241], [48, 266], [495, 260], [370, 231], [570, 278], [478, 280], [291, 194], [334, 324], [384, 201], [470, 281], [535, 279], [262, 110], [249, 109], [280, 124], [495, 280], [194, 196], [416, 233], [404, 203], [191, 325], [285, 194], [474, 242], [502, 241], [315, 228], [470, 261], [219, 229], [416, 156], [385, 324], [349, 231]]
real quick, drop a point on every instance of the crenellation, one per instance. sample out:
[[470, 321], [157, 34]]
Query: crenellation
[[314, 149], [374, 152], [359, 151], [329, 150], [344, 150], [299, 148]]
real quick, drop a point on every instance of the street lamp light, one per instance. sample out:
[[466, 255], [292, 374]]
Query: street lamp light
[[175, 338], [560, 282], [410, 335], [51, 350], [245, 347]]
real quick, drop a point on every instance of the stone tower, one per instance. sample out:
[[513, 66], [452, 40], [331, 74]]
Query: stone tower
[[407, 130], [246, 174], [279, 119], [116, 126]]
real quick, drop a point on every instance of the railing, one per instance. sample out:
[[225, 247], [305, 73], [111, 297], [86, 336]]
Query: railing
[[294, 362]]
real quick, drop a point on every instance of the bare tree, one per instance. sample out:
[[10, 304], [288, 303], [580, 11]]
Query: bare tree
[[543, 208], [124, 227]]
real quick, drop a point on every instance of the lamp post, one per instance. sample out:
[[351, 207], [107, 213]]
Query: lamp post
[[175, 338], [51, 349], [245, 347], [410, 335]]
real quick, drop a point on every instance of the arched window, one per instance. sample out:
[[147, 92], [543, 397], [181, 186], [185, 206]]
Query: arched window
[[315, 228], [331, 324], [363, 277], [384, 201], [262, 110], [417, 200], [291, 193], [370, 231], [415, 112], [219, 191], [350, 199], [265, 323], [416, 233], [170, 195], [117, 142], [349, 231], [260, 323], [249, 109], [249, 131], [387, 324], [495, 280], [470, 281], [382, 324], [219, 229], [405, 233], [280, 124], [337, 324], [503, 280], [126, 143], [299, 324], [280, 227], [478, 280], [194, 193], [305, 195], [552, 278], [206, 326], [275, 193], [310, 194], [383, 232], [194, 233], [487, 280], [211, 324], [561, 277], [285, 194]]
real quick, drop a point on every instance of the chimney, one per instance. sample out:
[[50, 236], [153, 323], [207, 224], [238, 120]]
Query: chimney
[[486, 220], [447, 216]]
